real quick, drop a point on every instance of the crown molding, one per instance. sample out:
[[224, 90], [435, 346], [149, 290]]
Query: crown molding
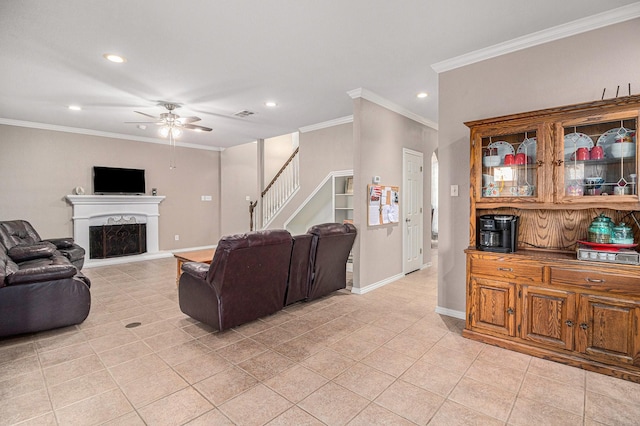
[[77, 130], [614, 16], [377, 99], [325, 124]]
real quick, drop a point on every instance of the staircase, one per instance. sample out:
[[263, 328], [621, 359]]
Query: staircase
[[281, 188]]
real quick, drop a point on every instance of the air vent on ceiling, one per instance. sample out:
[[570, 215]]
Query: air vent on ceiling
[[244, 113]]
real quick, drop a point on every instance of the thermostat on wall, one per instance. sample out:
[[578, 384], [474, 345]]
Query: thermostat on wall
[[376, 179]]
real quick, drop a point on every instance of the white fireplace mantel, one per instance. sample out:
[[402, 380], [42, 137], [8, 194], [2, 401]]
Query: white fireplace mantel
[[95, 210]]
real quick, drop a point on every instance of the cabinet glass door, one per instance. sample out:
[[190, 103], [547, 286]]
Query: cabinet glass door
[[599, 159], [510, 166]]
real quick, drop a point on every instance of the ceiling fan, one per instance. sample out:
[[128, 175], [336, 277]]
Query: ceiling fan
[[172, 123]]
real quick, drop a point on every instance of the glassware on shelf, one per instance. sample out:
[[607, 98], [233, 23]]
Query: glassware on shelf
[[622, 234], [600, 230]]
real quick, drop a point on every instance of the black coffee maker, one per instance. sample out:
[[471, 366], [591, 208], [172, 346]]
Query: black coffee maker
[[497, 233]]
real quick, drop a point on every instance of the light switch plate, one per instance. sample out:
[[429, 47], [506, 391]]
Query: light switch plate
[[454, 190]]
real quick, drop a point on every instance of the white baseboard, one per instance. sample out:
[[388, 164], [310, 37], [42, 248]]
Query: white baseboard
[[386, 281], [94, 263], [194, 248], [450, 312], [426, 265], [378, 284]]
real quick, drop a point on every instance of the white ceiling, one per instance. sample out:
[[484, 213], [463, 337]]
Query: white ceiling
[[218, 57]]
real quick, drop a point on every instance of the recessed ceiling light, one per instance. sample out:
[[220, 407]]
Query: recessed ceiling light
[[422, 95], [271, 104], [114, 58], [75, 107]]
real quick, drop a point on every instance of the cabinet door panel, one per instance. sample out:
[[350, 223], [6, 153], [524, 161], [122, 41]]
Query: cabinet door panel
[[508, 164], [582, 179], [548, 316], [493, 306], [608, 329]]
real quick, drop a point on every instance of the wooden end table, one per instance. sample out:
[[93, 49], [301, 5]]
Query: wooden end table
[[202, 256]]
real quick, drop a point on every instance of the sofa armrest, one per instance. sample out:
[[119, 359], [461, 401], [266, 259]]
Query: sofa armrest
[[41, 273], [61, 243], [24, 252], [196, 270]]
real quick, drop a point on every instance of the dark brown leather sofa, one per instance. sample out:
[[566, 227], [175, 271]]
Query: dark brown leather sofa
[[22, 233], [258, 273], [246, 280], [319, 261], [40, 289]]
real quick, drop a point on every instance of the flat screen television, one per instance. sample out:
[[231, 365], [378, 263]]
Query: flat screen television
[[112, 180]]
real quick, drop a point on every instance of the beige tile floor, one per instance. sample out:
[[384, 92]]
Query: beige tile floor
[[381, 358]]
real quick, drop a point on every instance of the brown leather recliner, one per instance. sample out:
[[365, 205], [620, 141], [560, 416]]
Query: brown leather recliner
[[22, 233], [246, 280], [330, 247]]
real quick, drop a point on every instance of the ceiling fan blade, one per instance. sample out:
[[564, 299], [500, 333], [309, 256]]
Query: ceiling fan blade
[[187, 120], [196, 127], [143, 122], [147, 115]]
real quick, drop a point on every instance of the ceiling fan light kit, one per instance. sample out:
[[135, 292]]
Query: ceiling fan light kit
[[175, 131]]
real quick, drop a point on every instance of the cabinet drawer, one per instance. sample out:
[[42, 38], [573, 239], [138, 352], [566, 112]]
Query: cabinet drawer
[[597, 280], [509, 269]]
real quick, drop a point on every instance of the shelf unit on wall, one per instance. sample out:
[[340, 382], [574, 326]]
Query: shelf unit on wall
[[327, 203], [343, 204], [342, 198]]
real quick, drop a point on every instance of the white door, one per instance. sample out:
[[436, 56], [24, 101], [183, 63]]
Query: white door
[[412, 208]]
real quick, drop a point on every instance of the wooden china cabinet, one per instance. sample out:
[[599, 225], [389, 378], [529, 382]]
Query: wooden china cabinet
[[542, 299]]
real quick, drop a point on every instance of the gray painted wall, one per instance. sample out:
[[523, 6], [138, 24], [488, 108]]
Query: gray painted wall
[[239, 169], [321, 151], [379, 137], [39, 167], [276, 152], [567, 71]]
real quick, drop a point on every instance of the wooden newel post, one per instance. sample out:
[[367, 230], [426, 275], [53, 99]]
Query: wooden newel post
[[252, 206]]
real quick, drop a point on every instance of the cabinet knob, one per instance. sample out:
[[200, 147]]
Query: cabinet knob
[[584, 326], [540, 163], [593, 280], [569, 323], [510, 311], [559, 162]]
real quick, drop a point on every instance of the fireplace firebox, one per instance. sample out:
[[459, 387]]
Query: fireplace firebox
[[117, 240]]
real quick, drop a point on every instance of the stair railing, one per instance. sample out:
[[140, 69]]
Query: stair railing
[[280, 189]]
